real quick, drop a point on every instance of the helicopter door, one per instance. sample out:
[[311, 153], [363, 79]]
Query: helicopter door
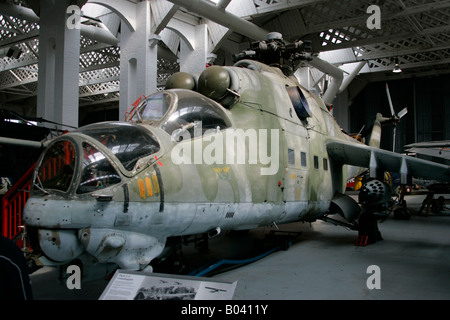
[[296, 189], [296, 171]]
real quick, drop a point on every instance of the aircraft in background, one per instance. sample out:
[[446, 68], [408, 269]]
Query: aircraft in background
[[395, 117], [437, 149], [232, 148]]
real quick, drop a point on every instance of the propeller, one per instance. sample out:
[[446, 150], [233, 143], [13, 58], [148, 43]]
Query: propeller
[[395, 117]]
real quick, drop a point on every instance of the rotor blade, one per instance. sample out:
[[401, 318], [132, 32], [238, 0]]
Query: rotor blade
[[403, 112], [390, 101], [393, 140]]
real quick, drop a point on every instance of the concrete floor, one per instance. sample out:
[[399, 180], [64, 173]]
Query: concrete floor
[[323, 263]]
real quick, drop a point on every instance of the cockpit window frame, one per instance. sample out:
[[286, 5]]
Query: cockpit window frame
[[83, 168], [38, 187], [177, 95], [141, 162], [173, 104], [77, 140]]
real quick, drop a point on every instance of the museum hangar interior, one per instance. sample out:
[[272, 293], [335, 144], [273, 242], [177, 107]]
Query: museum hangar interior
[[66, 64]]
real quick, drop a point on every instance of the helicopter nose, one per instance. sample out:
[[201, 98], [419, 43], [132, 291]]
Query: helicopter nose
[[57, 237], [60, 245], [42, 212]]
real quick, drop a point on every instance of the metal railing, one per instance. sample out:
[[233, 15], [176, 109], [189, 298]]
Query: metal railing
[[13, 203]]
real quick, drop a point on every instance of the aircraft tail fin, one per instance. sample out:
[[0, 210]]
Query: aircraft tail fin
[[375, 136]]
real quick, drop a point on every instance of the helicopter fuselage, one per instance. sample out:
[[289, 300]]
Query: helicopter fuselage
[[185, 164]]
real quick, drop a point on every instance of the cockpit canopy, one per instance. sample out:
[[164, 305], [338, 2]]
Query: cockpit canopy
[[75, 163], [127, 142], [73, 160], [180, 109]]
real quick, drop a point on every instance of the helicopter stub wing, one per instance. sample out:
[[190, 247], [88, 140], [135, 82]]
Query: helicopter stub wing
[[378, 161]]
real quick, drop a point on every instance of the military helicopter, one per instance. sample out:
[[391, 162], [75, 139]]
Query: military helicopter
[[233, 148]]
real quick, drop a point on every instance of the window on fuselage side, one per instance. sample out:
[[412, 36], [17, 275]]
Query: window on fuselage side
[[316, 162], [303, 159], [325, 164], [291, 157]]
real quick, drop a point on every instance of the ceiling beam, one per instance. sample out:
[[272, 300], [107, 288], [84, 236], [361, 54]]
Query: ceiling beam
[[412, 65], [284, 5], [19, 38], [95, 33], [394, 53], [390, 53], [383, 39], [162, 12], [361, 20]]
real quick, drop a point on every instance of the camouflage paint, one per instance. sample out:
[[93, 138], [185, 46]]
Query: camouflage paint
[[128, 223]]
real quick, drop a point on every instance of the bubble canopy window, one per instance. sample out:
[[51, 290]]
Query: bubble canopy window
[[180, 109], [97, 172], [155, 107], [57, 167], [127, 142]]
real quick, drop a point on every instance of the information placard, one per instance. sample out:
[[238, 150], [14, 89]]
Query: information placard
[[137, 285]]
